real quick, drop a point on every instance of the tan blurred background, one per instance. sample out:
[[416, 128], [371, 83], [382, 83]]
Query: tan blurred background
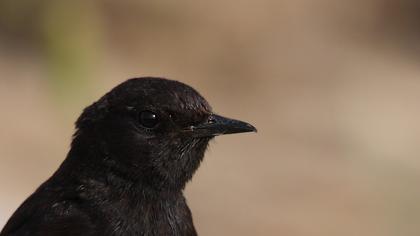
[[333, 87]]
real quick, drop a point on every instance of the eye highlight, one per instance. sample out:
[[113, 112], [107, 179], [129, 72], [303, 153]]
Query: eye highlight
[[148, 119]]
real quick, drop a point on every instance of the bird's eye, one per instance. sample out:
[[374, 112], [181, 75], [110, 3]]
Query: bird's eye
[[148, 119]]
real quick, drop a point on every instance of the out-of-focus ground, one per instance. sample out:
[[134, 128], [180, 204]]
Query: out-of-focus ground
[[332, 86]]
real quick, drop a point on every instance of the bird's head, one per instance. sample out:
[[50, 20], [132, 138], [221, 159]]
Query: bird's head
[[152, 129]]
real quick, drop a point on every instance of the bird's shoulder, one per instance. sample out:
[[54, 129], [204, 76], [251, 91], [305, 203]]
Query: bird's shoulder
[[49, 212]]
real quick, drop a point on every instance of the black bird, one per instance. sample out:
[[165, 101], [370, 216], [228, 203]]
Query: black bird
[[131, 155]]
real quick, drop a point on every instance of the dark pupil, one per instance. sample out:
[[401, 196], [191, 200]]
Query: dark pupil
[[148, 119]]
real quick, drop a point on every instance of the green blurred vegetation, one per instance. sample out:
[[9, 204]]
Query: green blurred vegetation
[[68, 34]]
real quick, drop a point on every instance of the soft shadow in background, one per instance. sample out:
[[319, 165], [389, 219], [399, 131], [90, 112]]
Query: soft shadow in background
[[333, 87]]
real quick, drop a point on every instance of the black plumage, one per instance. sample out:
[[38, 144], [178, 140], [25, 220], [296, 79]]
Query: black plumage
[[131, 155]]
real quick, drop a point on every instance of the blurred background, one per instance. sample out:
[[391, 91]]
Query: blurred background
[[332, 85]]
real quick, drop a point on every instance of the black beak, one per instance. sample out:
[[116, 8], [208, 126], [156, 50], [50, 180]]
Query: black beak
[[219, 125]]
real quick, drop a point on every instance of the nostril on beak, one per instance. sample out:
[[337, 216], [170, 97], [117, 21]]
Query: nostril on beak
[[211, 120]]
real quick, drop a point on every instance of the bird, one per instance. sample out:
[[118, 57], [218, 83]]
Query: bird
[[132, 154]]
